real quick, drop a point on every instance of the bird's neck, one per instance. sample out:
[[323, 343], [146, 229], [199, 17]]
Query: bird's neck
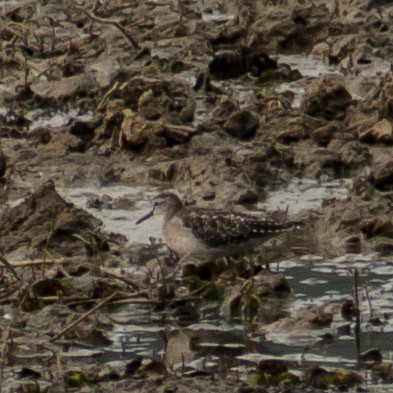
[[169, 214]]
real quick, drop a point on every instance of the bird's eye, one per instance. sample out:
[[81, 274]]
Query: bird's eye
[[157, 203]]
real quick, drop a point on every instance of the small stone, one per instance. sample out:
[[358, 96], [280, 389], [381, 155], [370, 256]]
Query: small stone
[[380, 132], [323, 135], [321, 50], [382, 174], [372, 355], [242, 124], [163, 172], [326, 97]]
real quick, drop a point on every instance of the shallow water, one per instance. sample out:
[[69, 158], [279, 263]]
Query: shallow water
[[299, 195], [120, 220], [55, 119], [305, 194], [314, 280], [313, 67]]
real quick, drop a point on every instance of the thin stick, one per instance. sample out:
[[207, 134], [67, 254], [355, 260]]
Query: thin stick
[[84, 316], [357, 311], [137, 299], [106, 95], [82, 239], [94, 18], [9, 266], [126, 280], [59, 366], [134, 301], [370, 306], [6, 295], [6, 335], [163, 277], [38, 262]]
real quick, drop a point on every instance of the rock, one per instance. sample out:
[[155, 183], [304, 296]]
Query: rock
[[342, 47], [285, 28], [352, 244], [225, 107], [323, 135], [321, 50], [372, 355], [319, 378], [313, 317], [174, 134], [152, 98], [230, 305], [382, 174], [245, 196], [234, 63], [64, 88], [255, 292], [61, 142], [187, 113], [355, 155], [228, 64], [81, 133], [45, 220], [382, 371], [242, 124], [153, 103], [136, 132], [107, 202], [323, 162], [377, 226], [163, 172], [361, 123], [273, 372], [292, 133], [326, 97], [385, 101], [380, 132]]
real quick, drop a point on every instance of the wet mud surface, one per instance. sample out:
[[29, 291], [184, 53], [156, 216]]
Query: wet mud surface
[[276, 108]]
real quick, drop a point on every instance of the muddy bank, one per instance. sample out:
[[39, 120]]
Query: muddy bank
[[281, 108]]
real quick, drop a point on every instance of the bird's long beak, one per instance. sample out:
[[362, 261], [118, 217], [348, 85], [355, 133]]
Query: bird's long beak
[[148, 215]]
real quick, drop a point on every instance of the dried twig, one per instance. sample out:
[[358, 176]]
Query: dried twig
[[370, 306], [94, 18], [357, 310], [82, 239], [163, 276], [9, 266], [6, 334], [37, 262], [106, 95], [134, 301], [131, 299], [126, 280], [84, 316], [59, 366], [4, 298]]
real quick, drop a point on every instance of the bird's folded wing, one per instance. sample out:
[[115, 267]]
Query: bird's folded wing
[[218, 228]]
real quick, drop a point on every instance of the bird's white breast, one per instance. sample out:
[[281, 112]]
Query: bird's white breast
[[181, 239]]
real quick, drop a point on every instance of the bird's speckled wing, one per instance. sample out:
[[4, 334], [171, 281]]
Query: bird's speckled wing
[[218, 228]]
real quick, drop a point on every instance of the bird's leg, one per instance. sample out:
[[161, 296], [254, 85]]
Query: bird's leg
[[179, 263], [173, 257], [264, 260]]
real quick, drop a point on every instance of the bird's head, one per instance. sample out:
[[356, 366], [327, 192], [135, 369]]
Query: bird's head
[[165, 204]]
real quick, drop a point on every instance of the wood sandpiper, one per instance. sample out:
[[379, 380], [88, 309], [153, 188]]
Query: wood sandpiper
[[207, 233]]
